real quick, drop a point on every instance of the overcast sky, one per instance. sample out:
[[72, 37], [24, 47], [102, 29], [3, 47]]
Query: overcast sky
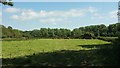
[[35, 15]]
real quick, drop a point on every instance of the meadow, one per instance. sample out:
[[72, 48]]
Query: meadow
[[55, 52], [13, 49]]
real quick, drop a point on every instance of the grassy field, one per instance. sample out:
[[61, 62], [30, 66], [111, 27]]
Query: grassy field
[[52, 52], [13, 49]]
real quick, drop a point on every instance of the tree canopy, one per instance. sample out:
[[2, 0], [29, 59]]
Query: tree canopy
[[5, 2], [93, 31]]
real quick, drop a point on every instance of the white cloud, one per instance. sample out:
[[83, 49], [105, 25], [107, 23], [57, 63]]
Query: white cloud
[[95, 13], [109, 15], [98, 16], [25, 15], [15, 17], [30, 14], [92, 9], [12, 10], [74, 13], [113, 14], [55, 16], [67, 13], [51, 20]]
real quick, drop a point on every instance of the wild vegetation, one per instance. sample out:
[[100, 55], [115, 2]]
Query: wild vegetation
[[87, 32], [62, 47]]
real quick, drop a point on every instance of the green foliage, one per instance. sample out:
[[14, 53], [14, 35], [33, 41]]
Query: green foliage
[[10, 33], [88, 35], [76, 33], [88, 32], [118, 29], [4, 2], [109, 39], [9, 27]]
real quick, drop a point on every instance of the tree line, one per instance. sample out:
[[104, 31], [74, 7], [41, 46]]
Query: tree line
[[86, 32]]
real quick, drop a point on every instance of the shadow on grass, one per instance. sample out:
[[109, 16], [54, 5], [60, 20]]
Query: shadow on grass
[[103, 56], [96, 46]]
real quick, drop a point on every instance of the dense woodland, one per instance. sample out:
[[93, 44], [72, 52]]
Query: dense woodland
[[86, 32]]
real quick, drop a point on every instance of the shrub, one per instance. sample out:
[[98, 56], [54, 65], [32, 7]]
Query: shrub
[[88, 35], [109, 39]]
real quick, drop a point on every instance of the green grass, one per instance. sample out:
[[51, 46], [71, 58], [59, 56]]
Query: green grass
[[58, 52], [11, 49]]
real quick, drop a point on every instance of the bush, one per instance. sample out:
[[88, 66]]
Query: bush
[[109, 39], [88, 35]]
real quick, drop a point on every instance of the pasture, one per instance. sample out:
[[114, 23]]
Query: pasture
[[13, 49], [55, 52]]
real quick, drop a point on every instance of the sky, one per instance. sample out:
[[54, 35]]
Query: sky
[[36, 15]]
